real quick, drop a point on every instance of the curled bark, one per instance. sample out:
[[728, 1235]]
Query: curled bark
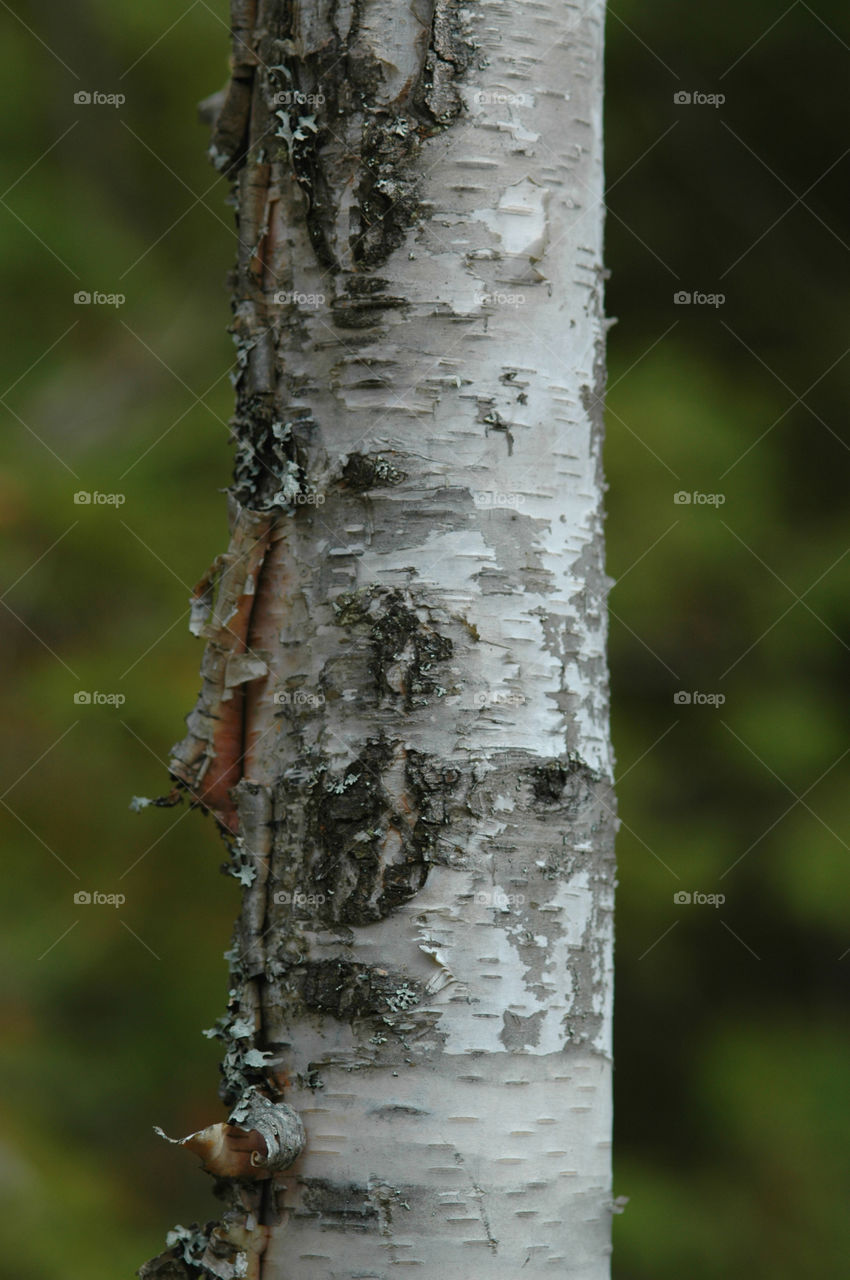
[[261, 1138]]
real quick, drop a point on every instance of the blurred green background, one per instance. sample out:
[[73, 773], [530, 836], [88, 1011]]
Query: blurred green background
[[732, 1040]]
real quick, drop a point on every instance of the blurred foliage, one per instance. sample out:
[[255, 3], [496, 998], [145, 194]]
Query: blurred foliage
[[731, 1117], [730, 1035], [102, 1024]]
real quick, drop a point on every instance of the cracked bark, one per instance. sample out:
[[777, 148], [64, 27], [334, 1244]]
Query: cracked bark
[[403, 729]]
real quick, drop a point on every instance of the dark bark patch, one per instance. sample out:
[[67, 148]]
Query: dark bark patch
[[339, 1206], [549, 780], [364, 471], [167, 1266], [388, 200], [374, 830], [405, 649], [229, 141], [367, 862], [371, 839], [346, 991], [432, 783], [362, 301], [449, 53]]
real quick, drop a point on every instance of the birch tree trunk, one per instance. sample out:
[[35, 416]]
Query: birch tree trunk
[[403, 726]]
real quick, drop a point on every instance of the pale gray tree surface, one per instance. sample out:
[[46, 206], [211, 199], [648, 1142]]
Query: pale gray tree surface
[[403, 724]]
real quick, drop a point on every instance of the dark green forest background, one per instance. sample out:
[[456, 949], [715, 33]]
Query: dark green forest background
[[732, 1043]]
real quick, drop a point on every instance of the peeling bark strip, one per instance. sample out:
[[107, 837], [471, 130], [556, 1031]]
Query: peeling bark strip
[[209, 760], [403, 724]]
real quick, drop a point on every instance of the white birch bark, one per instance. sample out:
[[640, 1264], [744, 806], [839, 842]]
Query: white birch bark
[[403, 729]]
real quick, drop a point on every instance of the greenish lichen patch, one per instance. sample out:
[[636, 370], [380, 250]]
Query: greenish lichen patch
[[268, 470], [196, 1251], [170, 1265], [240, 864]]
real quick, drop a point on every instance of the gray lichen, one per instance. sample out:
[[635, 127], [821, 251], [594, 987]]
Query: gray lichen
[[370, 471]]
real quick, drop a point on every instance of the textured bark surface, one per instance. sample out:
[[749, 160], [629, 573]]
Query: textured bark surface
[[403, 725]]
